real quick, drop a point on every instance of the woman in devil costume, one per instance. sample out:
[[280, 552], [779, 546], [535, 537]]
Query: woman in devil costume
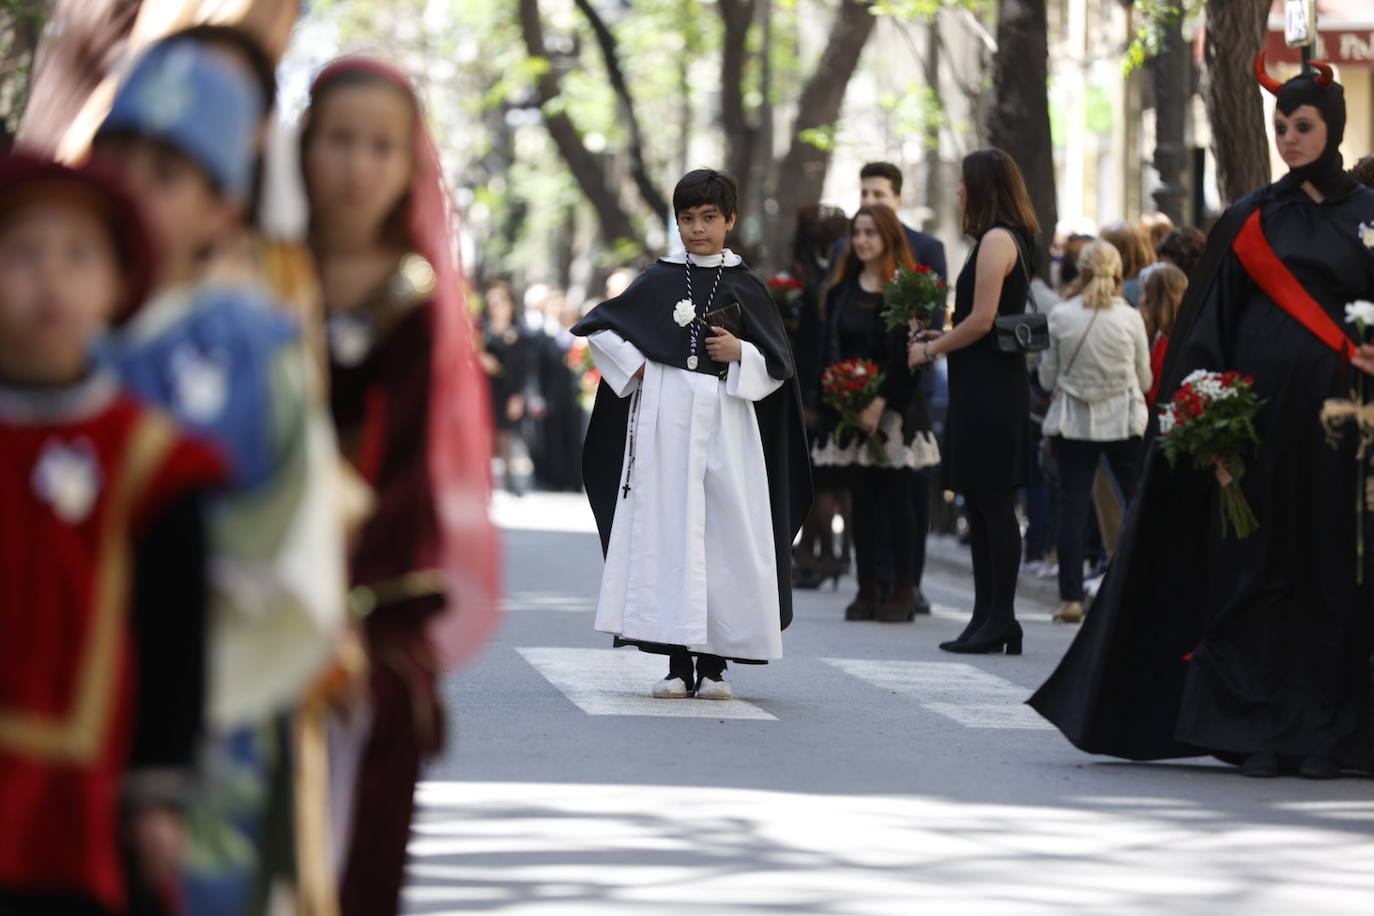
[[1256, 651]]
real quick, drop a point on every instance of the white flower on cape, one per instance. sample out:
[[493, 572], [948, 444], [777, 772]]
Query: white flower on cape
[[1367, 234], [1360, 312], [684, 313]]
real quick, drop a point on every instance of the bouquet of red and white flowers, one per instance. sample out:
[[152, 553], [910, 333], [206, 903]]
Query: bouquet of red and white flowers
[[783, 288], [913, 297], [849, 387], [1212, 420]]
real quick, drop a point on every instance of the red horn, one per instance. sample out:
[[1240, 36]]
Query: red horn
[[1327, 76], [1265, 80]]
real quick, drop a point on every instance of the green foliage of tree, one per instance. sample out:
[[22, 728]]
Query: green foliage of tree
[[21, 23], [1153, 16]]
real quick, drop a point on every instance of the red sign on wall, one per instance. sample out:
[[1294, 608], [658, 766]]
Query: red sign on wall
[[1342, 47]]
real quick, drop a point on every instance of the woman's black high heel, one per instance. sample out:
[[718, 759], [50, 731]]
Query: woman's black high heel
[[991, 638], [974, 624]]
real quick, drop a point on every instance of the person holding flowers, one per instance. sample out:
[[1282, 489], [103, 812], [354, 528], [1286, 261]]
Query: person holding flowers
[[988, 430], [882, 442], [1202, 641]]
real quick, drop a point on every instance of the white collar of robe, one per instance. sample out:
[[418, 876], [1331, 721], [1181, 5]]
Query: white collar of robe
[[728, 257]]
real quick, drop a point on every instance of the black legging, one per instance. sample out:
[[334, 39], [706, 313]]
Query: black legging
[[884, 526], [920, 518], [995, 540]]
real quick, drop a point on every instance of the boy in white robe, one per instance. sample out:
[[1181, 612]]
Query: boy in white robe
[[695, 461]]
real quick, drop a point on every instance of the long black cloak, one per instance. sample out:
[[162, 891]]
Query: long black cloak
[[642, 315], [1199, 644]]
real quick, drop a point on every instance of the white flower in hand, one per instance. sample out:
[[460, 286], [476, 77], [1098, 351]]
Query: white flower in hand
[[684, 313], [1360, 313]]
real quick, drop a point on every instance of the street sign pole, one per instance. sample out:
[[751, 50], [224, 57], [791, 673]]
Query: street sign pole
[[1300, 28]]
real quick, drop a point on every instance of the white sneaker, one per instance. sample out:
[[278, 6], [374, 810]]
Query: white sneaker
[[1048, 571], [715, 690], [671, 688]]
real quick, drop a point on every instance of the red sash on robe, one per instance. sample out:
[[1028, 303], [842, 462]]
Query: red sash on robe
[[66, 652], [1278, 283]]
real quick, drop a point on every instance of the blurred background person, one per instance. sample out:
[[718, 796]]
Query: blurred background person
[[1183, 248], [1161, 295], [819, 558], [506, 359], [1137, 253], [1097, 370]]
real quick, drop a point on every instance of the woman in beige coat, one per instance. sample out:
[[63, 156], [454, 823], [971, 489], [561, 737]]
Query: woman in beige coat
[[1097, 370]]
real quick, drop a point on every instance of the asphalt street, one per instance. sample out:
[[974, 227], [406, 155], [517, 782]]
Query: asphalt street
[[865, 773]]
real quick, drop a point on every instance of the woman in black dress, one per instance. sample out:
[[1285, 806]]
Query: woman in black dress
[[1254, 650], [506, 358], [988, 432], [884, 514]]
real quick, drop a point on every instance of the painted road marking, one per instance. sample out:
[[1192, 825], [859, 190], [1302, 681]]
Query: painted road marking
[[563, 602], [968, 695], [616, 682]]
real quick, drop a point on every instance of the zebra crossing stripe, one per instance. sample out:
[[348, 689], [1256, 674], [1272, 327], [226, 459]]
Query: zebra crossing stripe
[[958, 691]]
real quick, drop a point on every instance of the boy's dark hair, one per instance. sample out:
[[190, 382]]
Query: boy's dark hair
[[1363, 172], [883, 170], [703, 187]]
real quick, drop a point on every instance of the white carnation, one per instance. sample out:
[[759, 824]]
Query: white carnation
[[1361, 313], [1166, 420], [684, 313]]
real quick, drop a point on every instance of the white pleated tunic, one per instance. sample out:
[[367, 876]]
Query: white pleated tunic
[[691, 559]]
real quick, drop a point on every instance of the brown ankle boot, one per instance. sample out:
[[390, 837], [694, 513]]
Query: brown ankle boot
[[900, 606], [865, 603]]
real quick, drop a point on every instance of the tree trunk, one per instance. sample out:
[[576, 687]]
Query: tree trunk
[[800, 176], [1019, 122], [585, 167], [610, 53], [741, 137], [1235, 34]]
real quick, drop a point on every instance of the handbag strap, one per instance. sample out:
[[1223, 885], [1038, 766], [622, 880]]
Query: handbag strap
[[1025, 269], [1081, 341]]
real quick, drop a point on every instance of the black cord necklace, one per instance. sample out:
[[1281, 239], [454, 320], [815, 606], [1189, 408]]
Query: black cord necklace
[[692, 361]]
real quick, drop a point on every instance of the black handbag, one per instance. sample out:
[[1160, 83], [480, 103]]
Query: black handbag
[[1028, 332]]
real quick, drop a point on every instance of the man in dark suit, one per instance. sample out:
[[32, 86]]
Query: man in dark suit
[[881, 183]]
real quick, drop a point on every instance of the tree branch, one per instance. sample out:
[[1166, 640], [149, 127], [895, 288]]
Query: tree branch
[[615, 223], [801, 173], [648, 190]]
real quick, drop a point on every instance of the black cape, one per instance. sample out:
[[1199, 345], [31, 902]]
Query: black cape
[[1199, 644], [642, 315]]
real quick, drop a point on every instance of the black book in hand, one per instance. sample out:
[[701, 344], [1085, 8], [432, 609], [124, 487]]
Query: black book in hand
[[730, 317]]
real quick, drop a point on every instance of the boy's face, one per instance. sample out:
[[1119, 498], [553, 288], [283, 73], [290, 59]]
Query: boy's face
[[185, 214], [60, 281], [877, 191], [703, 229]]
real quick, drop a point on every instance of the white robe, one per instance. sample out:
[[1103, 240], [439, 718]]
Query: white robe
[[691, 559]]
